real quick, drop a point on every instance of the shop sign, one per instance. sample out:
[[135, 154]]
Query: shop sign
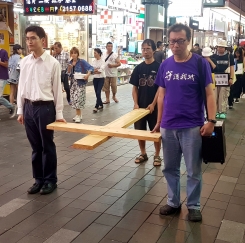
[[213, 3], [129, 5], [194, 24], [187, 8], [58, 7]]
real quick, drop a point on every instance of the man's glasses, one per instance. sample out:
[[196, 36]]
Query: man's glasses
[[31, 39], [179, 42]]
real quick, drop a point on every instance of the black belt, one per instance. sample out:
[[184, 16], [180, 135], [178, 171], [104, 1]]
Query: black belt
[[39, 102]]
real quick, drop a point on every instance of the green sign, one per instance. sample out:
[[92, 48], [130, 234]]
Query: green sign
[[213, 3]]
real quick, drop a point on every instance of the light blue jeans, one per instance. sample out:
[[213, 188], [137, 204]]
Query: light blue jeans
[[189, 143], [3, 101]]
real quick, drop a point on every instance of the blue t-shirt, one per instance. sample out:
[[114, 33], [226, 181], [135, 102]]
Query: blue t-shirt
[[183, 102]]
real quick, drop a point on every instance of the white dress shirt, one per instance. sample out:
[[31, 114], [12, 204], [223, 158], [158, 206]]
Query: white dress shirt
[[100, 65], [40, 81], [110, 72]]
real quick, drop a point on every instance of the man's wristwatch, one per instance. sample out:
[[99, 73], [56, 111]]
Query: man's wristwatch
[[212, 121]]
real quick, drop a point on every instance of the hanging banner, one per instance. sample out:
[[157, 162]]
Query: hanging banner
[[58, 7]]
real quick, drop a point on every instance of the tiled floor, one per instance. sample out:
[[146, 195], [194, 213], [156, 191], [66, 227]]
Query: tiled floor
[[103, 196]]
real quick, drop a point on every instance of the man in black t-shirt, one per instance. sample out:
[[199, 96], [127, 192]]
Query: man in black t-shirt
[[145, 96], [159, 54], [225, 64]]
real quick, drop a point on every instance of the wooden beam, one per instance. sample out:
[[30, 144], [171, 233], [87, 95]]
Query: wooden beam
[[91, 142], [105, 131]]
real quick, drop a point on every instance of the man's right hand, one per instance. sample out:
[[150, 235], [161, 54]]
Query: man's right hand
[[136, 107], [20, 119]]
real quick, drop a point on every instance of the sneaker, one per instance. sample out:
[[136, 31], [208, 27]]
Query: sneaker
[[78, 119], [194, 215], [100, 108], [95, 110], [167, 210], [13, 111], [236, 101], [75, 117], [222, 116], [230, 107], [217, 115]]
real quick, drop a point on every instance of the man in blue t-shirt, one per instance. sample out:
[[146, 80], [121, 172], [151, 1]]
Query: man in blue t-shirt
[[4, 76], [181, 118]]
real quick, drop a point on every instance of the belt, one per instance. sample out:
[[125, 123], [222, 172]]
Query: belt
[[39, 102]]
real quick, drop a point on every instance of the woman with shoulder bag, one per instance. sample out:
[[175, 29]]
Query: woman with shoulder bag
[[99, 78], [14, 71], [79, 71]]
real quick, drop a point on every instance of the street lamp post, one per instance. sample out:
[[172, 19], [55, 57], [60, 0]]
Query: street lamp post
[[239, 25]]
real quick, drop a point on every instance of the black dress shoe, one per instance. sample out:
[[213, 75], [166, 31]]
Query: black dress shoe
[[48, 188], [35, 188]]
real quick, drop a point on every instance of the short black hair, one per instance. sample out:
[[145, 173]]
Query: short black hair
[[159, 43], [37, 29], [180, 27], [197, 45], [57, 43], [109, 43], [151, 43], [98, 51]]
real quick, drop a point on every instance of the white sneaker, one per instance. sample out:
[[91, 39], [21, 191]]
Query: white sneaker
[[78, 119], [74, 118], [13, 111]]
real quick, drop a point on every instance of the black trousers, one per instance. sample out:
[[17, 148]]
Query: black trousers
[[64, 80], [98, 85], [44, 158], [237, 90], [231, 96]]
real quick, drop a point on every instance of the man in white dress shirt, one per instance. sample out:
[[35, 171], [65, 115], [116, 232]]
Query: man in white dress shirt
[[40, 102]]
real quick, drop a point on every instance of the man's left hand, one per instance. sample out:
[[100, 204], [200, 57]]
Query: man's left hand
[[207, 129], [61, 120], [150, 107], [231, 82]]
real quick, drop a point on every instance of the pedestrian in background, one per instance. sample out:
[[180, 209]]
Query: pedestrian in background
[[79, 71], [225, 64], [14, 71], [40, 102], [4, 76], [112, 62], [64, 59], [159, 54], [99, 78]]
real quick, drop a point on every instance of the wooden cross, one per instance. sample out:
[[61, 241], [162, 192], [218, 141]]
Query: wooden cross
[[100, 134]]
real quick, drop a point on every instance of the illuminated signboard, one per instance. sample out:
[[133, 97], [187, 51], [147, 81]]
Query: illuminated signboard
[[58, 7]]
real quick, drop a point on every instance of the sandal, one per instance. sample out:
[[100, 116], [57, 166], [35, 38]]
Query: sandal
[[157, 161], [115, 99], [106, 102], [142, 158]]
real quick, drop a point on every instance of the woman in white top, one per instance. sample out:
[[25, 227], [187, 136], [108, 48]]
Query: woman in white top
[[99, 78]]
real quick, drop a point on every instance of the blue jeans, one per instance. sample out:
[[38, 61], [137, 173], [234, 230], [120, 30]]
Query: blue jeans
[[3, 101], [189, 143]]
